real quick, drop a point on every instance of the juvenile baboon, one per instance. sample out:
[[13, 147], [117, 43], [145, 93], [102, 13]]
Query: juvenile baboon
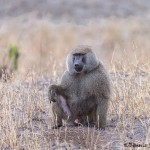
[[57, 95], [87, 83]]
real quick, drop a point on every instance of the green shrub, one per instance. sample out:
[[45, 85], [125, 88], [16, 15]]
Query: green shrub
[[14, 55]]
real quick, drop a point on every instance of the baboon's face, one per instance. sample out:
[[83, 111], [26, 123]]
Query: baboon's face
[[79, 61], [53, 95]]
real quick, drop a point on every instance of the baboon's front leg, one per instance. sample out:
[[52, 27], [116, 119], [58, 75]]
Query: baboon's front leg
[[57, 115]]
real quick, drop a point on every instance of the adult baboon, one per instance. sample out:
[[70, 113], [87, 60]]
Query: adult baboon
[[88, 86]]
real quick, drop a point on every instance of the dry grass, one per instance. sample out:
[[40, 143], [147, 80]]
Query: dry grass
[[25, 112], [42, 42], [26, 118]]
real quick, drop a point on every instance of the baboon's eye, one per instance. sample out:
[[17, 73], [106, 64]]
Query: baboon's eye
[[83, 59], [73, 59]]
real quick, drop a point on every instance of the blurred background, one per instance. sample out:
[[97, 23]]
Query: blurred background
[[38, 34]]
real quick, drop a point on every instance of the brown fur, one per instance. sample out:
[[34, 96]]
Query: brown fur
[[54, 91], [89, 91], [57, 94]]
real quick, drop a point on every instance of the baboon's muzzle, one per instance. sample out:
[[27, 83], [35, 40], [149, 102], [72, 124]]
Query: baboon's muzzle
[[78, 67]]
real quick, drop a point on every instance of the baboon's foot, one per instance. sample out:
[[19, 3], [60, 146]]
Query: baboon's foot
[[100, 128], [90, 125], [78, 123]]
